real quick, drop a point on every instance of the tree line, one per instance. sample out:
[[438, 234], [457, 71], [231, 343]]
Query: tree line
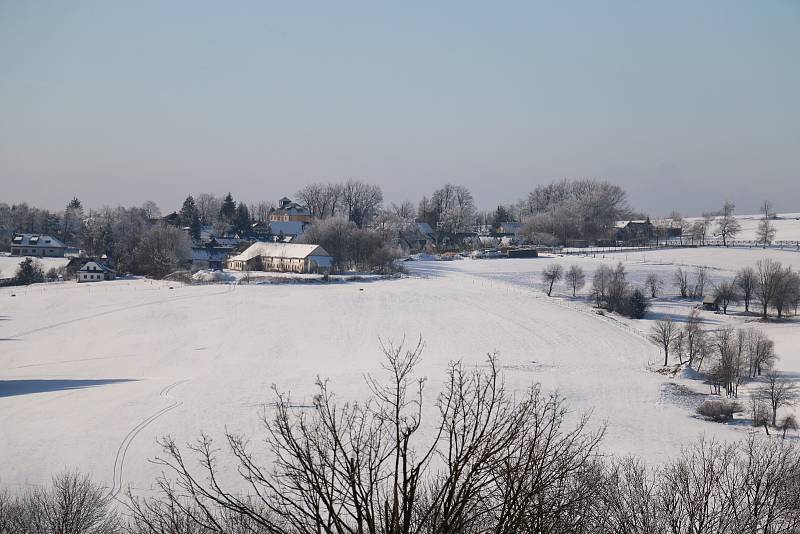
[[489, 461], [610, 288]]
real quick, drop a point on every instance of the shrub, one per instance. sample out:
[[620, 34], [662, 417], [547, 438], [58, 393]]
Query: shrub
[[638, 304], [29, 272], [719, 410]]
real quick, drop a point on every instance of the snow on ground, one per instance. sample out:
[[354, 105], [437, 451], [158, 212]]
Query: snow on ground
[[8, 264], [787, 226], [92, 374]]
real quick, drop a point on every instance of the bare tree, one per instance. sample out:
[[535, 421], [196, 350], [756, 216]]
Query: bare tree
[[151, 210], [699, 288], [654, 284], [663, 334], [761, 352], [786, 295], [746, 281], [765, 234], [725, 293], [492, 458], [72, 504], [600, 283], [693, 337], [208, 207], [681, 281], [768, 283], [727, 224], [361, 201], [788, 423], [551, 275], [779, 392], [575, 278]]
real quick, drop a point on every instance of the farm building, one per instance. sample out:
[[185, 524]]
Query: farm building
[[289, 211], [282, 257], [94, 271], [37, 245], [641, 230]]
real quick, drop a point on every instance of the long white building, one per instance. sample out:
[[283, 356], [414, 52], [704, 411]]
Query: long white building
[[282, 257]]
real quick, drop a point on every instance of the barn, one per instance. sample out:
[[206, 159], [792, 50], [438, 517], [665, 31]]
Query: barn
[[282, 257]]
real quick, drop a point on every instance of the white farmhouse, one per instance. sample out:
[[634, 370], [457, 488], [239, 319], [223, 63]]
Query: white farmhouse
[[94, 271], [282, 257], [37, 245]]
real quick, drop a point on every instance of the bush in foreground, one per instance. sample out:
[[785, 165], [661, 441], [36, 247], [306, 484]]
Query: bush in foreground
[[719, 410]]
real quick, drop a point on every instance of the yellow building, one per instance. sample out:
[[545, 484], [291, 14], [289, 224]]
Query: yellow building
[[290, 211]]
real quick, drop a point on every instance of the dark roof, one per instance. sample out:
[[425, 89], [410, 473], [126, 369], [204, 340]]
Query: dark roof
[[102, 267], [36, 240]]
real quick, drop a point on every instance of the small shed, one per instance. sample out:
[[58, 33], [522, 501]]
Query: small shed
[[711, 303]]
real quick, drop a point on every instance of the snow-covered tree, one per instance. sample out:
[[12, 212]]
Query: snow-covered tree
[[728, 225], [654, 284], [551, 275], [575, 278], [746, 280], [663, 334]]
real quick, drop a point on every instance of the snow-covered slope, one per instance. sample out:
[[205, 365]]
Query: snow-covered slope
[[787, 227], [92, 374]]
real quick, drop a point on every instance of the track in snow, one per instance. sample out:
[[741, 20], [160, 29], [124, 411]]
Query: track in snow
[[119, 460]]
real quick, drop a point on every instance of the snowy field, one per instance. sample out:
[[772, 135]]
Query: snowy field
[[787, 226], [92, 374], [8, 264]]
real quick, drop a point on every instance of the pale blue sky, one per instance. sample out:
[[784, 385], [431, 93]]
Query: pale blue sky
[[684, 103]]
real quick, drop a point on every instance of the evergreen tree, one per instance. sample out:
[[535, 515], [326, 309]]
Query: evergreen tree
[[195, 229], [189, 216], [228, 210], [242, 219], [188, 212], [73, 221], [638, 304], [29, 272]]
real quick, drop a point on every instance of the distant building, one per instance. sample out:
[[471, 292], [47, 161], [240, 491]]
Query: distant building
[[509, 228], [37, 245], [641, 230], [289, 211], [711, 303], [287, 230], [209, 257], [282, 257], [416, 237], [94, 271]]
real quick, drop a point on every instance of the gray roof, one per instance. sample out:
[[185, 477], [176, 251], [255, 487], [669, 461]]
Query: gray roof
[[425, 228], [95, 266], [36, 240], [280, 250], [208, 254], [287, 227]]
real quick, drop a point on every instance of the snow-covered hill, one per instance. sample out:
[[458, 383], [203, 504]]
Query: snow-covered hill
[[92, 374]]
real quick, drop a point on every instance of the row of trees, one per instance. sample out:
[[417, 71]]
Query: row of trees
[[610, 287], [356, 201], [770, 285], [489, 461]]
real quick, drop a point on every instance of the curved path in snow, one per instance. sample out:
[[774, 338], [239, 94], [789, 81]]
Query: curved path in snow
[[119, 459]]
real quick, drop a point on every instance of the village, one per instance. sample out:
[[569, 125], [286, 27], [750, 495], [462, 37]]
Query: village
[[276, 244], [399, 268]]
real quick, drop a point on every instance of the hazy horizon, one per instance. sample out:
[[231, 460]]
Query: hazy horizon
[[684, 104]]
